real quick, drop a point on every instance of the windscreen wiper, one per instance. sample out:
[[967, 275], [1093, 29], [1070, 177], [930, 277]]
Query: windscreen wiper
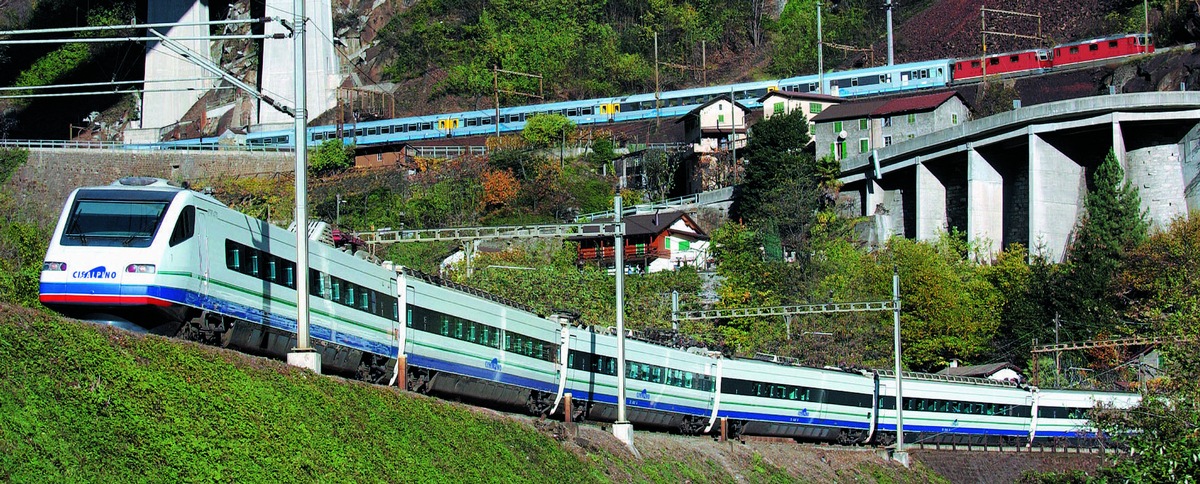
[[75, 227]]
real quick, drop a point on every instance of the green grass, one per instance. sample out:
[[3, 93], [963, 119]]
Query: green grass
[[80, 403], [85, 403]]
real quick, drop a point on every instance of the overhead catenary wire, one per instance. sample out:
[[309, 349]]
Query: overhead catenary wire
[[111, 83], [100, 93]]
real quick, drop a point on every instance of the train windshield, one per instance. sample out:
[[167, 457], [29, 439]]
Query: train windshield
[[115, 218]]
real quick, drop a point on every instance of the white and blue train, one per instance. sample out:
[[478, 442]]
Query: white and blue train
[[164, 259]]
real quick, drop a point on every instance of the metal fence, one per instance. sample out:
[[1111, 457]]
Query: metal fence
[[115, 145]]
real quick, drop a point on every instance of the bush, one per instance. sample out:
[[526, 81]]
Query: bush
[[331, 157]]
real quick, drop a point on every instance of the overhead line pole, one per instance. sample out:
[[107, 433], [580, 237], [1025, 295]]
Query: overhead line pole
[[303, 354]]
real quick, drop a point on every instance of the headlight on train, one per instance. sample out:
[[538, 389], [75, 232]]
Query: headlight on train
[[54, 266], [140, 268]]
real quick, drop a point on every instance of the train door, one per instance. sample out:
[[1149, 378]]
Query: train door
[[204, 254], [410, 295], [903, 78]]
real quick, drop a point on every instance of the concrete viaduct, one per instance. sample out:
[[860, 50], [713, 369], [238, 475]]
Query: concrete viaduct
[[170, 98], [1022, 176]]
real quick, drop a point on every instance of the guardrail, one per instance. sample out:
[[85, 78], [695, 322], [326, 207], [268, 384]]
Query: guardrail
[[447, 151], [703, 198], [114, 145]]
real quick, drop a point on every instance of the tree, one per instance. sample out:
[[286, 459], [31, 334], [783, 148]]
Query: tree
[[332, 156], [783, 186], [1113, 224], [1161, 282], [544, 130]]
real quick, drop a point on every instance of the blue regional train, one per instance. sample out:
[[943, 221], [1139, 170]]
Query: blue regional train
[[172, 261]]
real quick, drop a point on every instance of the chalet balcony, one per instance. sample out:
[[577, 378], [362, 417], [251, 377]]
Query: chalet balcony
[[635, 251]]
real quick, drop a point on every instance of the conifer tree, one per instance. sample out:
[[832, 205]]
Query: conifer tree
[[1114, 223]]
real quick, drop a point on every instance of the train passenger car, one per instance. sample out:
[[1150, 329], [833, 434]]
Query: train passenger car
[[665, 388], [1103, 48], [1033, 60], [782, 400], [941, 409], [463, 342], [172, 261], [1063, 414], [888, 79]]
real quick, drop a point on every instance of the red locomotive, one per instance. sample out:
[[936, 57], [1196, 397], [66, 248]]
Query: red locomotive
[[1037, 60]]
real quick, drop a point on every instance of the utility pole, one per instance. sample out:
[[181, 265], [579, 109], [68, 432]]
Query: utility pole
[[496, 71], [657, 90], [889, 29], [820, 54], [900, 455], [1057, 355], [704, 63], [303, 355], [983, 31], [622, 429]]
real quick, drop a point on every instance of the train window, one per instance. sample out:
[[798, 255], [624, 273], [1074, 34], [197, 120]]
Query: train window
[[587, 111], [185, 225], [812, 86], [359, 132], [233, 259], [372, 131], [473, 122], [254, 264], [924, 73], [854, 82], [975, 64], [335, 290], [1074, 50], [486, 121], [1093, 46], [385, 130], [271, 274], [425, 126], [1014, 58], [290, 277], [940, 72], [572, 112], [413, 127]]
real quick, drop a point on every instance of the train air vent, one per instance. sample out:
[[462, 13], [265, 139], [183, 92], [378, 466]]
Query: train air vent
[[141, 181]]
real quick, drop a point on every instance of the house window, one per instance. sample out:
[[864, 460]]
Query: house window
[[887, 140], [720, 118], [837, 127], [814, 108], [863, 145], [912, 118], [954, 118], [841, 149], [778, 108], [862, 123], [887, 122], [379, 157]]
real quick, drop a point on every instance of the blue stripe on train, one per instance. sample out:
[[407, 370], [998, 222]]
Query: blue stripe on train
[[240, 311]]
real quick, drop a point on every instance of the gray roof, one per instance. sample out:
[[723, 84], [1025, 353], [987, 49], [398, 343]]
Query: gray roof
[[978, 370]]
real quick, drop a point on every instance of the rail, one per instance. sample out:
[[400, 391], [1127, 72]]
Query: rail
[[388, 236]]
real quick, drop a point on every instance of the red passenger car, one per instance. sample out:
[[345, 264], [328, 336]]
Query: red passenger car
[[1105, 48], [1007, 63]]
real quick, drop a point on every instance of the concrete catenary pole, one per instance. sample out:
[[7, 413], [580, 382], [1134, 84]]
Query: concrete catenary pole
[[900, 454], [889, 34], [622, 429], [820, 54], [302, 355]]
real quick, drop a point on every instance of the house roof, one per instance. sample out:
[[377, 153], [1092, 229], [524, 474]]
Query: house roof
[[807, 96], [911, 104], [648, 224], [851, 110], [723, 97], [889, 107], [978, 370]]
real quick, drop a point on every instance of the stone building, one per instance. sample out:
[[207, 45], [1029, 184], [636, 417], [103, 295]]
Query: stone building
[[853, 128]]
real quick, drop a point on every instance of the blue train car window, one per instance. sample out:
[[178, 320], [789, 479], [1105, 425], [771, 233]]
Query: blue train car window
[[426, 126]]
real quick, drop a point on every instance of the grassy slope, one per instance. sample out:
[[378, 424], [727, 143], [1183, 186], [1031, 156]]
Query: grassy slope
[[82, 403]]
